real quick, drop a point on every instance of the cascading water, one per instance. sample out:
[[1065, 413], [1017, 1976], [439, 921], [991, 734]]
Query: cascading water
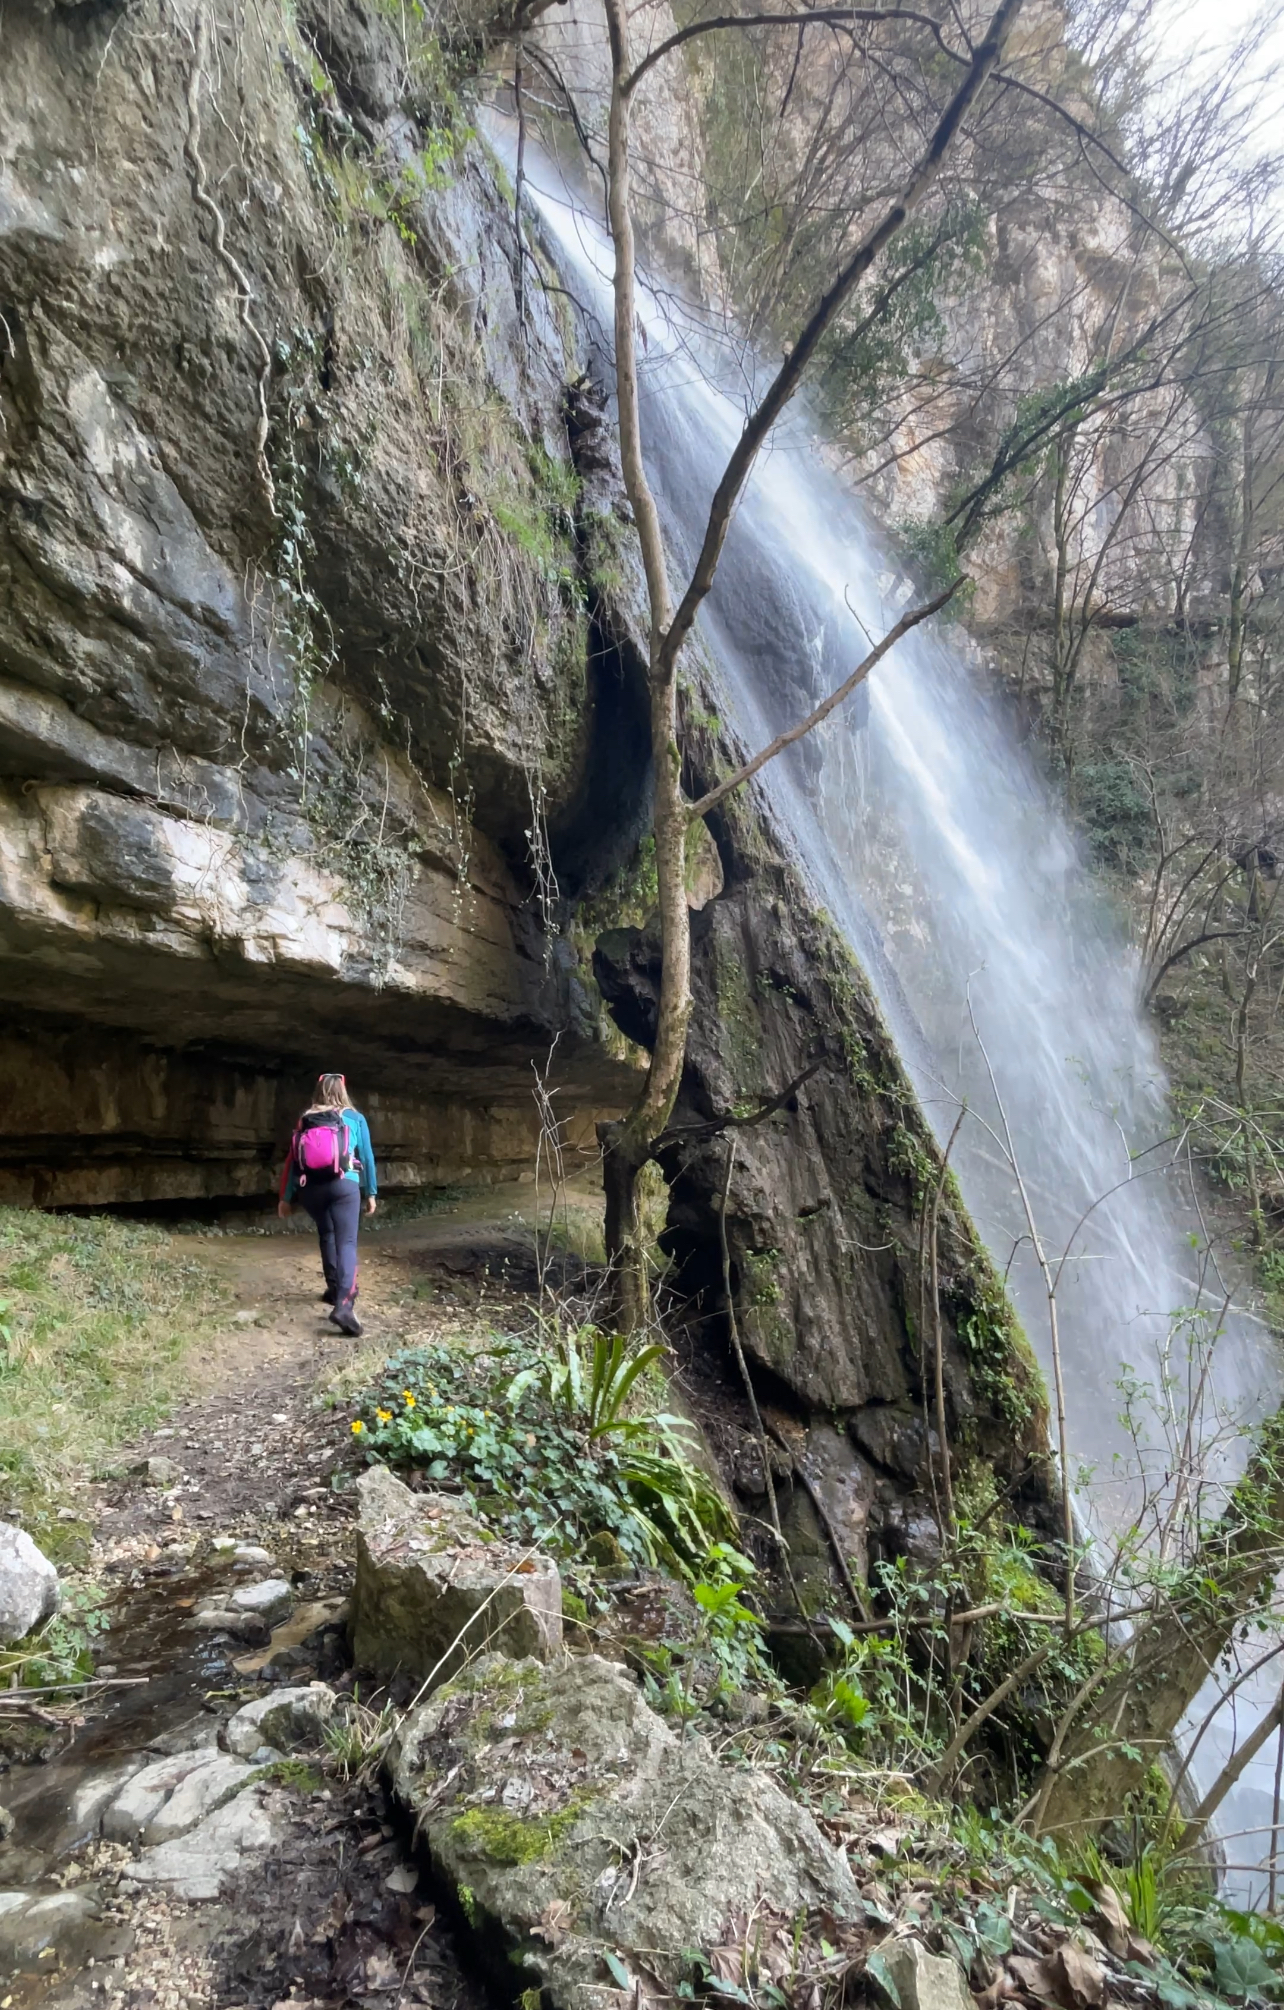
[[928, 836]]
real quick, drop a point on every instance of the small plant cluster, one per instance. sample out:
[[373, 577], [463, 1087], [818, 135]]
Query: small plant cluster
[[59, 1654], [548, 1446]]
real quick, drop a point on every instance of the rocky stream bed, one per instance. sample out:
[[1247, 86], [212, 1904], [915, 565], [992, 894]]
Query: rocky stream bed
[[158, 1853]]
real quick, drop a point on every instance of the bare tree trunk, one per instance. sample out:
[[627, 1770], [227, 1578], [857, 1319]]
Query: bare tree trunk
[[628, 1144]]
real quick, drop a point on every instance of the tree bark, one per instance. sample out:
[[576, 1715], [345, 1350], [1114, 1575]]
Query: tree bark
[[628, 1144]]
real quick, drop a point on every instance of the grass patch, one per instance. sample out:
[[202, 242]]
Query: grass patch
[[96, 1317]]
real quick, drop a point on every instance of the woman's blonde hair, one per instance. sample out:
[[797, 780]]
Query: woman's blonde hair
[[331, 1093]]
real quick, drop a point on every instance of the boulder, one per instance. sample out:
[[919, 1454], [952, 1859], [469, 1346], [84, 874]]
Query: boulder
[[199, 1864], [284, 1720], [580, 1824], [35, 1924], [245, 1626], [158, 1471], [433, 1587], [28, 1584], [906, 1977]]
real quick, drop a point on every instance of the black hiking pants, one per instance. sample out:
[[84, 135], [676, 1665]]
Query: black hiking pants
[[335, 1207]]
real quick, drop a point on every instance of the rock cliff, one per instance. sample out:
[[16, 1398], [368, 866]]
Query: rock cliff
[[322, 726], [300, 714]]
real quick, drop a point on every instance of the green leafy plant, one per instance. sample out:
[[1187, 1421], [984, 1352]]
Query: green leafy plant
[[730, 1629], [592, 1374], [540, 1448], [60, 1653]]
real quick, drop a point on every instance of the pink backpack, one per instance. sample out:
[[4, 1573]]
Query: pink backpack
[[320, 1147]]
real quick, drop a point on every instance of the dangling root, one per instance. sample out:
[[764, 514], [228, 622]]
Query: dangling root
[[240, 278]]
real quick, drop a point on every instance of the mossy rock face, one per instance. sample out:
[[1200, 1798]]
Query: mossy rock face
[[538, 1790]]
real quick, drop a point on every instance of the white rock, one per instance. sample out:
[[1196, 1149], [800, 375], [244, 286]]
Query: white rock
[[41, 1920], [286, 1719], [28, 1584], [132, 1816], [272, 1600], [208, 1787], [197, 1864], [224, 1619], [88, 1802]]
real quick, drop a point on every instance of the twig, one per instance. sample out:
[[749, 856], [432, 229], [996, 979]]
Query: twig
[[689, 1133], [938, 1341], [859, 674]]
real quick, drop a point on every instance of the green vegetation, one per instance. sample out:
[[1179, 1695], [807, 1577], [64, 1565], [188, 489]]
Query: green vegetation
[[541, 1438], [59, 1653], [510, 1839], [96, 1320]]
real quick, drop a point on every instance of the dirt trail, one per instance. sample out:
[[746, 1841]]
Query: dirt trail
[[261, 1451]]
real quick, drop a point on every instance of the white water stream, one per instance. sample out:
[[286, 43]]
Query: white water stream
[[926, 833]]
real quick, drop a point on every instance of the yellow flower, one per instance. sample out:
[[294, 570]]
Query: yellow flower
[[409, 1399], [384, 1416], [358, 1427]]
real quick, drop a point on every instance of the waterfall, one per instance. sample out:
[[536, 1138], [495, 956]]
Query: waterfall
[[926, 832]]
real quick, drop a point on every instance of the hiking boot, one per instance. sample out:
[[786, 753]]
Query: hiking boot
[[329, 1296], [346, 1320]]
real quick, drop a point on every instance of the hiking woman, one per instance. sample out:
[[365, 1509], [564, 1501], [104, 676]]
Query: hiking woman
[[330, 1168]]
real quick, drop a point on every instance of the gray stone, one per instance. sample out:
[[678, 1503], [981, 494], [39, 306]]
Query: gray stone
[[171, 1796], [198, 1864], [921, 1981], [158, 1471], [91, 1799], [433, 1587], [272, 1600], [8, 1822], [207, 1787], [195, 1734], [285, 1720], [603, 1784], [28, 1584]]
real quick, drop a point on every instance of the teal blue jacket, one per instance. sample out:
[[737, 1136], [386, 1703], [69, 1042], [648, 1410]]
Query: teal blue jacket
[[363, 1160]]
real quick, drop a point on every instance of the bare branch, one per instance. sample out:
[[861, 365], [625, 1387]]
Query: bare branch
[[859, 674], [869, 15], [760, 422]]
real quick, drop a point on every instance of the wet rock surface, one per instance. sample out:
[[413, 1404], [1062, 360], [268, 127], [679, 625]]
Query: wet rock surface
[[603, 1830], [170, 879]]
